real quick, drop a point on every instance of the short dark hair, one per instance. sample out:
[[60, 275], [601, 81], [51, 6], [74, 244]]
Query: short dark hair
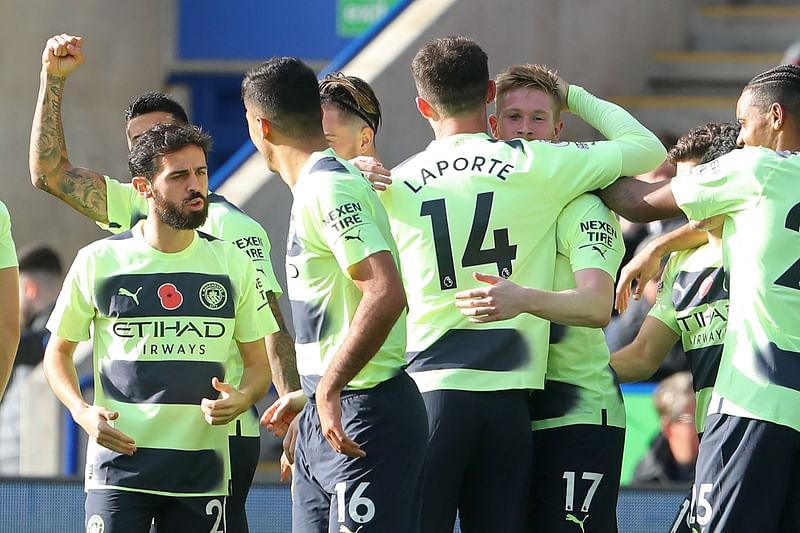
[[780, 85], [154, 102], [705, 143], [452, 74], [353, 96], [39, 258], [286, 92], [145, 156]]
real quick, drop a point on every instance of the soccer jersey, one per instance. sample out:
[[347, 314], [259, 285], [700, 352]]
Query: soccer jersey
[[8, 254], [225, 221], [471, 204], [759, 375], [581, 388], [164, 325], [693, 302], [337, 221]]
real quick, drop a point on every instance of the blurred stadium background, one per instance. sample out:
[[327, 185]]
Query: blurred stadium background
[[674, 64]]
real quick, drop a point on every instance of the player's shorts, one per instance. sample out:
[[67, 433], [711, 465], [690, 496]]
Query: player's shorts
[[575, 473], [478, 461], [746, 477], [244, 460], [377, 493], [122, 511]]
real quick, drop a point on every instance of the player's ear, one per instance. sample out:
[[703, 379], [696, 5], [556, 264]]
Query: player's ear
[[426, 109], [366, 139], [493, 125], [264, 127], [776, 115], [142, 186], [491, 91]]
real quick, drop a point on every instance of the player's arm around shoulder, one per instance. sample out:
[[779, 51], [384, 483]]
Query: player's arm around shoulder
[[51, 170]]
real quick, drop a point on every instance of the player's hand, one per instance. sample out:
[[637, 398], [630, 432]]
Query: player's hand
[[289, 444], [230, 404], [329, 407], [95, 421], [563, 91], [62, 55], [278, 416], [500, 300], [635, 275], [374, 171]]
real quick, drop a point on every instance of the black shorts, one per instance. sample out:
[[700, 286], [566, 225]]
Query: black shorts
[[122, 511], [334, 493], [746, 477], [575, 473], [478, 461], [244, 460]]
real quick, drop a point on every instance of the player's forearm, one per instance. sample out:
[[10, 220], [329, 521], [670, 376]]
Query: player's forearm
[[59, 370], [256, 378], [632, 364], [281, 353], [641, 149], [9, 325], [48, 152], [683, 238], [640, 201], [574, 307], [373, 320]]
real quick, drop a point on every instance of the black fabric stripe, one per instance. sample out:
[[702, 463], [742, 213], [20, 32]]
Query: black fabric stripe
[[156, 294], [309, 322], [555, 400], [685, 290], [120, 236], [704, 364], [309, 385], [780, 367], [207, 237], [293, 246], [180, 471], [214, 198], [164, 382], [328, 164], [488, 349]]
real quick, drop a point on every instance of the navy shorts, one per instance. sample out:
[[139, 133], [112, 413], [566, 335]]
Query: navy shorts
[[478, 461], [746, 477], [575, 473], [381, 492], [122, 511]]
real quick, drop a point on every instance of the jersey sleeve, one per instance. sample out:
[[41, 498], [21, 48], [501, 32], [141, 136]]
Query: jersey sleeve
[[254, 318], [663, 309], [74, 309], [251, 239], [124, 206], [8, 253], [730, 183], [346, 221], [590, 235]]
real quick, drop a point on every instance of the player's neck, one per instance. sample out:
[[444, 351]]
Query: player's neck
[[715, 238], [289, 159], [164, 237], [447, 126]]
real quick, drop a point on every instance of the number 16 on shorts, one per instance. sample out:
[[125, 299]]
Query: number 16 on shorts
[[358, 508]]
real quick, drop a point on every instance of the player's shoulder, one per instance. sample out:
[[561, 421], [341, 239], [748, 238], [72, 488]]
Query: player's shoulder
[[4, 212], [584, 208], [227, 221]]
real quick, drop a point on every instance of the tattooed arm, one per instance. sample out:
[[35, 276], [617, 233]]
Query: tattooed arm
[[280, 349], [51, 171]]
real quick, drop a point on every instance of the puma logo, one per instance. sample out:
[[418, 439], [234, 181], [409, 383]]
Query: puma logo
[[599, 251], [345, 529], [356, 237], [132, 295], [572, 518]]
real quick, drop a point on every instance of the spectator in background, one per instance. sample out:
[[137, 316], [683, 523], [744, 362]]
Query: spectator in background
[[673, 453], [40, 278]]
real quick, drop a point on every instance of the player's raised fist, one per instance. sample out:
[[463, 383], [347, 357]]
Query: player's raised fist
[[62, 54]]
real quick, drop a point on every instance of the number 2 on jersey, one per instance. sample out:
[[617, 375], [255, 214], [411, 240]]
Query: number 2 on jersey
[[791, 278], [501, 255]]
